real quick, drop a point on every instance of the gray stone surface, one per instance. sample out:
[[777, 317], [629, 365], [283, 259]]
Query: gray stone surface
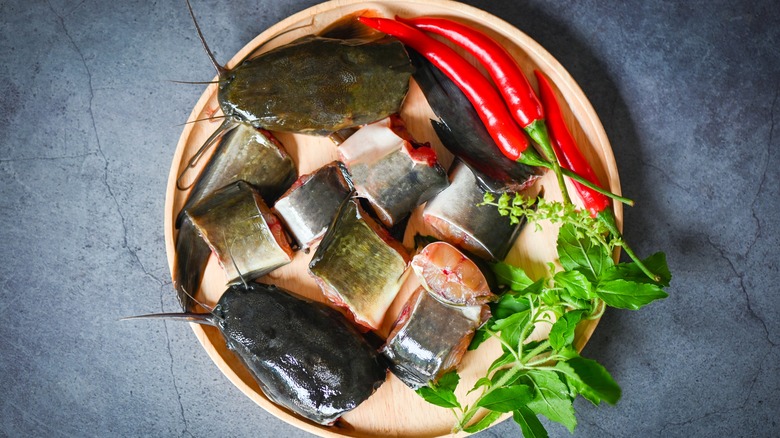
[[688, 94]]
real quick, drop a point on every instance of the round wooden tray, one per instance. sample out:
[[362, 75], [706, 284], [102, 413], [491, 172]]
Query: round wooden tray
[[394, 410]]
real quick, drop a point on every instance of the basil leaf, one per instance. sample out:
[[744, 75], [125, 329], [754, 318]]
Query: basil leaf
[[509, 304], [581, 254], [505, 359], [512, 327], [480, 336], [552, 398], [576, 283], [442, 393], [448, 381], [591, 380], [511, 276], [438, 398], [506, 399], [529, 423], [656, 263], [630, 295], [483, 381], [562, 332], [484, 423]]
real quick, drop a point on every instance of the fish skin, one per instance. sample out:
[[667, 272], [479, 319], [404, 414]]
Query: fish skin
[[241, 230], [389, 170], [309, 206], [359, 266], [249, 154], [456, 218], [318, 85], [462, 132], [428, 340], [304, 355]]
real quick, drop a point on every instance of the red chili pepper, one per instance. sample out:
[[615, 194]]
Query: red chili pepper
[[597, 204], [567, 151], [480, 92], [503, 69], [518, 94]]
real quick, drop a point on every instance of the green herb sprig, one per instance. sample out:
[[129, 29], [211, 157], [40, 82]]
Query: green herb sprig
[[544, 377]]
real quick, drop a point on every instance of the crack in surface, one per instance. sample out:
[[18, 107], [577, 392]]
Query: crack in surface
[[133, 253], [186, 430], [741, 277], [55, 158], [742, 406], [666, 176], [763, 174]]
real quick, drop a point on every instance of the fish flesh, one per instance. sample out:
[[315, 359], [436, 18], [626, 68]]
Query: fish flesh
[[310, 205], [305, 356], [455, 217], [359, 266], [390, 170], [429, 338], [450, 276], [249, 154], [241, 230], [462, 132]]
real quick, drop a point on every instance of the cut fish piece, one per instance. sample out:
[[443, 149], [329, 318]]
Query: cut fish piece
[[248, 154], [310, 205], [359, 266], [455, 218], [451, 277], [391, 171], [240, 229], [429, 338]]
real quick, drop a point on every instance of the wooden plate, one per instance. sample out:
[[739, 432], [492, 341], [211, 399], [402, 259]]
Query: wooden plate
[[394, 410]]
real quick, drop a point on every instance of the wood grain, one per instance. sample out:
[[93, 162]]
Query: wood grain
[[394, 410]]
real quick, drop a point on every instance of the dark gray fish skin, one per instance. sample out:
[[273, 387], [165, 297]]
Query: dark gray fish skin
[[318, 85], [305, 356], [189, 263], [310, 205], [248, 154], [395, 184], [455, 218], [241, 230], [430, 339], [390, 171], [358, 265], [462, 132]]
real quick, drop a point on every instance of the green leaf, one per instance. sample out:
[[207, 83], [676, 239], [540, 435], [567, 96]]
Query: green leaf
[[504, 359], [562, 332], [511, 276], [552, 398], [438, 398], [484, 423], [483, 381], [581, 254], [529, 423], [442, 393], [480, 336], [506, 399], [591, 380], [630, 295], [511, 328], [576, 283], [656, 263], [509, 304], [448, 381]]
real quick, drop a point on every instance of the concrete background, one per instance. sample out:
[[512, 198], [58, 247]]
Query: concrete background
[[687, 92]]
